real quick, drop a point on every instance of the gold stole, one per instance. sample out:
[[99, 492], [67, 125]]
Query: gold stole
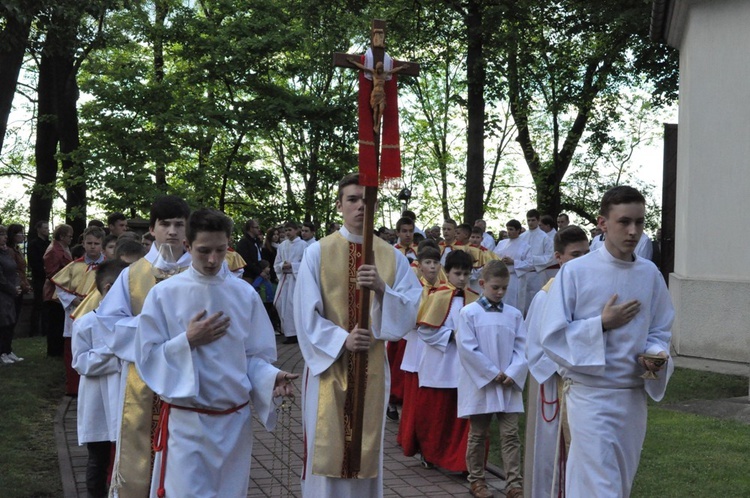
[[76, 279], [235, 261], [548, 284], [89, 303], [340, 302], [435, 308], [139, 413]]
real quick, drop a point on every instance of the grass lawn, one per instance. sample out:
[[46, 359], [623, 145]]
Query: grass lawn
[[30, 392], [687, 455]]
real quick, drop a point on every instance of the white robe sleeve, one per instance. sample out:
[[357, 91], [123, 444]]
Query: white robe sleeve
[[88, 359], [437, 337], [394, 315], [518, 369], [575, 344], [540, 365], [659, 337], [165, 364], [117, 320]]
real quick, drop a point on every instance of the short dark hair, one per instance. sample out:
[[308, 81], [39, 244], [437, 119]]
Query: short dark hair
[[428, 252], [532, 213], [622, 194], [96, 223], [459, 260], [563, 215], [409, 214], [404, 221], [13, 230], [350, 179], [548, 220], [207, 220], [107, 272], [569, 235], [148, 236], [167, 207], [109, 238], [39, 224], [128, 247], [292, 224], [94, 232], [514, 224], [115, 217], [451, 221], [464, 227], [495, 269], [477, 230], [310, 225], [428, 243]]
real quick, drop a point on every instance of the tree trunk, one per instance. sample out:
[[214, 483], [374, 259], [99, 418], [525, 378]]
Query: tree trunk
[[45, 148], [473, 202], [67, 128], [12, 47], [161, 10]]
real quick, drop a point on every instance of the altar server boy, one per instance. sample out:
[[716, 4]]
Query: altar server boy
[[99, 386], [491, 342]]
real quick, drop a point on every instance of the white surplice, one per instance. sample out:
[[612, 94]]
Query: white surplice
[[290, 252], [208, 455], [606, 396], [99, 386], [544, 412], [322, 342], [488, 343], [520, 252], [438, 365], [542, 256]]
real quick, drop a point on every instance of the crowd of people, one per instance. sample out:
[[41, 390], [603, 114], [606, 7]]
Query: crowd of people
[[178, 326]]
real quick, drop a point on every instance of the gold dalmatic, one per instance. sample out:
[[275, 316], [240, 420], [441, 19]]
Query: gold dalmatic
[[333, 428]]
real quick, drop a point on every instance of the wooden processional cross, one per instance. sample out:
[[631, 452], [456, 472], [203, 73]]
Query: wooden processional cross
[[379, 159]]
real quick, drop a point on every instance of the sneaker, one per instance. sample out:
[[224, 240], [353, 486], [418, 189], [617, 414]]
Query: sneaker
[[5, 359], [15, 358], [392, 413]]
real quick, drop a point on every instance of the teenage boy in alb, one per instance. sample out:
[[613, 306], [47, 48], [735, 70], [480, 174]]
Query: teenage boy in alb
[[429, 271], [491, 342], [449, 238], [405, 244], [482, 256], [118, 314], [288, 259], [542, 455], [99, 388], [205, 345], [597, 331], [74, 283], [441, 435], [542, 256], [516, 254], [325, 310]]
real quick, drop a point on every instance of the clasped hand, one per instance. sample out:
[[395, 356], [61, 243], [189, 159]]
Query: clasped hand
[[367, 276]]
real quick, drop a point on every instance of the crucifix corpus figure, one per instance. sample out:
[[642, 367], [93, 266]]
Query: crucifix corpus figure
[[341, 331]]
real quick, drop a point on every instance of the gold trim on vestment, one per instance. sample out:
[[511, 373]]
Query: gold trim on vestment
[[338, 289], [437, 306], [76, 279], [89, 303], [235, 261]]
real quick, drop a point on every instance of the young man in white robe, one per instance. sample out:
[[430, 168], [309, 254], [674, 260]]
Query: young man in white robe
[[99, 387], [205, 345], [288, 259], [545, 411], [325, 311], [604, 311], [491, 344], [118, 314], [541, 253], [516, 254]]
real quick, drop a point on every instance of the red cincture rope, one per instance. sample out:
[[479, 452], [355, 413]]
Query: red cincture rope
[[162, 434], [556, 402]]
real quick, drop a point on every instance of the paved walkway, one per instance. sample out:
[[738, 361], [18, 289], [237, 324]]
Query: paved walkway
[[277, 457]]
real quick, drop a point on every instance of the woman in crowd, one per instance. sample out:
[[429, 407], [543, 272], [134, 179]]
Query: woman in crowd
[[56, 258], [16, 238], [10, 288]]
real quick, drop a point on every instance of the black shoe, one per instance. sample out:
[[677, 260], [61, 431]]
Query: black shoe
[[291, 340], [392, 413]]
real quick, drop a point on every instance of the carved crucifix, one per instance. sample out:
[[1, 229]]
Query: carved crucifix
[[378, 117]]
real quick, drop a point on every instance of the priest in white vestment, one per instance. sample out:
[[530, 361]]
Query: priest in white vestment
[[288, 259], [604, 310], [541, 252], [205, 345], [325, 313], [516, 254]]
